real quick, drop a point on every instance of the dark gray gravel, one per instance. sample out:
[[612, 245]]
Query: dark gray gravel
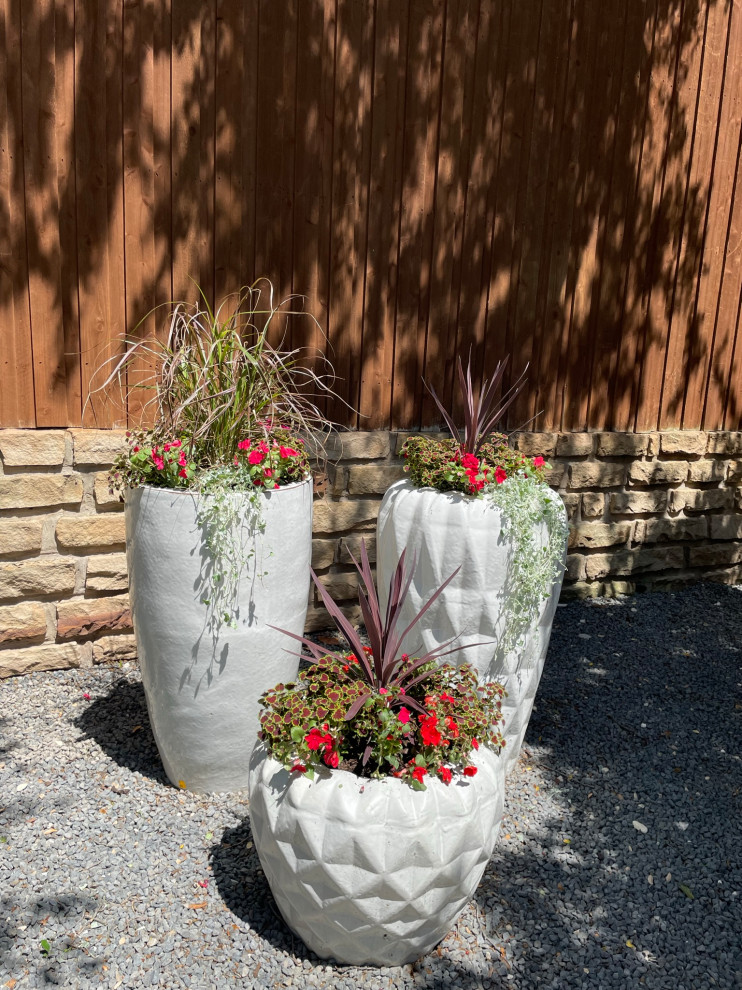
[[620, 863]]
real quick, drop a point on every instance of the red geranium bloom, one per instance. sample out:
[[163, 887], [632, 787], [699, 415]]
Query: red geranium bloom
[[418, 773], [500, 475], [538, 462], [447, 697], [470, 771], [475, 744], [331, 758], [445, 774], [316, 739], [470, 461], [243, 445], [430, 735], [287, 452], [182, 473], [403, 715], [299, 768], [256, 457], [452, 726]]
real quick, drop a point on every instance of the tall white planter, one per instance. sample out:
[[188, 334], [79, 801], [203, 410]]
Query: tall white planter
[[446, 530], [203, 679], [372, 871]]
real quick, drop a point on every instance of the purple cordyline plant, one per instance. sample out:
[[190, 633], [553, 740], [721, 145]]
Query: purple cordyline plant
[[381, 665], [480, 418]]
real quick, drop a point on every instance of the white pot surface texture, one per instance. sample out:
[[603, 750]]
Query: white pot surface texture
[[445, 530], [202, 679], [372, 872]]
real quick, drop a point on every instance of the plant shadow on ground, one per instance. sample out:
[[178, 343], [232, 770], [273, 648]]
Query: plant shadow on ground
[[635, 870], [119, 723]]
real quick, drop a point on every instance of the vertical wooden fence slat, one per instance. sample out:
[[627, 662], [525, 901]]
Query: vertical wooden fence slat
[[207, 148], [715, 182], [382, 252], [162, 156], [721, 384], [689, 330], [349, 217], [423, 82], [100, 225], [17, 406], [139, 205], [38, 60]]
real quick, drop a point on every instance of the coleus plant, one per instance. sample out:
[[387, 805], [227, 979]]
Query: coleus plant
[[375, 710]]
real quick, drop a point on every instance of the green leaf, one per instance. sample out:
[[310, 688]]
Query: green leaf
[[297, 734], [45, 947], [310, 773], [209, 835], [687, 891]]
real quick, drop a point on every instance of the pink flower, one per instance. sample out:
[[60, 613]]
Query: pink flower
[[288, 452], [445, 774], [256, 457], [86, 696], [243, 445], [166, 448], [176, 443], [500, 475], [159, 463], [470, 771], [268, 473], [182, 459], [203, 883], [383, 691], [418, 773], [403, 715], [538, 462]]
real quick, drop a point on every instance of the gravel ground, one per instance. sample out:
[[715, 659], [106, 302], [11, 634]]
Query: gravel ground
[[619, 865]]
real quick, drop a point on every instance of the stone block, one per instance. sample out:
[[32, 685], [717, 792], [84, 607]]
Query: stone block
[[535, 444], [33, 491], [670, 530], [701, 499], [323, 553], [592, 535], [20, 536], [715, 555], [84, 533], [341, 587], [87, 616], [658, 472], [580, 590], [337, 479], [318, 618], [593, 474], [632, 503], [575, 567], [734, 472], [102, 489], [726, 527], [32, 448], [556, 476], [701, 472], [50, 656], [107, 572], [622, 444], [39, 577], [91, 447], [574, 444], [373, 479], [360, 446], [571, 501], [593, 504], [337, 516], [626, 562], [725, 442], [352, 545], [689, 442], [25, 621], [109, 648]]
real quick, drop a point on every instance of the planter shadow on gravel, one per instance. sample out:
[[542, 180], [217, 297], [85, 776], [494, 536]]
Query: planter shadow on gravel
[[630, 873], [119, 723]]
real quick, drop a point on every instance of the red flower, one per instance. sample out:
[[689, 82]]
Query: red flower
[[182, 459], [86, 696], [430, 735], [500, 475], [256, 457], [182, 473], [403, 715], [469, 461], [268, 473], [470, 771], [452, 726], [135, 449], [331, 759], [299, 768], [287, 452], [538, 462], [176, 443], [445, 774], [383, 691], [447, 697], [316, 740], [475, 744], [159, 463], [243, 445], [418, 773]]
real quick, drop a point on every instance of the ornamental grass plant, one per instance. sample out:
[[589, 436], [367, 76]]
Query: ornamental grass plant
[[376, 711]]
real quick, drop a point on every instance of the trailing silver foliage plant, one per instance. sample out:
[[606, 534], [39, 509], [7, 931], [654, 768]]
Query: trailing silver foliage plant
[[524, 504]]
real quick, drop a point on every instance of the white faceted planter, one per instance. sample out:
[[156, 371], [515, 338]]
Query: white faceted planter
[[372, 871], [203, 681], [445, 530]]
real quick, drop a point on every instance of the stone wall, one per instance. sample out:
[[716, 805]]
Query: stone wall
[[646, 510]]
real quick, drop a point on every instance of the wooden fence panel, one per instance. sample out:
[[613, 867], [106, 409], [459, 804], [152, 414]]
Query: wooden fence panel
[[554, 179]]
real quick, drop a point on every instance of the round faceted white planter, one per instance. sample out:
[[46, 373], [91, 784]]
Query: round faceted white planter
[[203, 679], [445, 530], [372, 872]]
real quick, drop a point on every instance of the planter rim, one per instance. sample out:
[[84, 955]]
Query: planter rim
[[452, 496], [237, 491]]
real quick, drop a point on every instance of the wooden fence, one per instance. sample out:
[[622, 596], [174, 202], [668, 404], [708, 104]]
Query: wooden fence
[[556, 179]]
